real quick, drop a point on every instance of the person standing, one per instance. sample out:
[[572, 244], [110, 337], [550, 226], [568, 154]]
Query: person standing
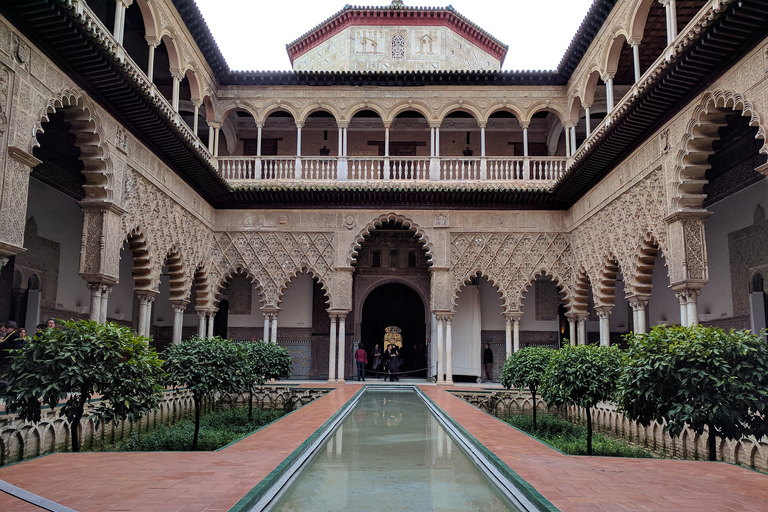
[[376, 359], [361, 358], [488, 362], [10, 341], [394, 366]]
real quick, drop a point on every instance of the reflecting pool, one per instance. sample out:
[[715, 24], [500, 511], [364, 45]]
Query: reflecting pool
[[391, 453]]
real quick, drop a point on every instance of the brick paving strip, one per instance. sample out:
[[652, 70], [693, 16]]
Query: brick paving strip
[[213, 481]]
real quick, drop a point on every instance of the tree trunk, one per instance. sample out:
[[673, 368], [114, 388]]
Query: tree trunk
[[533, 395], [79, 408], [589, 431], [196, 399], [250, 403], [712, 443]]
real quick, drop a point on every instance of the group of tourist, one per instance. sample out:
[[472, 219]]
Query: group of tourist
[[389, 362], [13, 338]]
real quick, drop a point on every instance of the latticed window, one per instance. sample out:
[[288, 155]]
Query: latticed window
[[398, 46]]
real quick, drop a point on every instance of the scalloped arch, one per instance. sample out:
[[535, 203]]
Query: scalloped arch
[[691, 162], [562, 286], [606, 283], [87, 127], [389, 217], [139, 246], [305, 269], [645, 260], [579, 302], [462, 283], [227, 275]]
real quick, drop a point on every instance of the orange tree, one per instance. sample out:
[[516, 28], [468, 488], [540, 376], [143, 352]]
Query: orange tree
[[73, 364], [525, 369], [702, 377], [583, 376], [262, 361]]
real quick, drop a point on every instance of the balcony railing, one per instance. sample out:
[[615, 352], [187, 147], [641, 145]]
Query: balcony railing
[[250, 170]]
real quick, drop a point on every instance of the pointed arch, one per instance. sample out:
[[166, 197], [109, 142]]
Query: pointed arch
[[696, 147], [90, 139], [389, 217]]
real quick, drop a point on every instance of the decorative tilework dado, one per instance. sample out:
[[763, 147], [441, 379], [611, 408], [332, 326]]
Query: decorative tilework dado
[[301, 356]]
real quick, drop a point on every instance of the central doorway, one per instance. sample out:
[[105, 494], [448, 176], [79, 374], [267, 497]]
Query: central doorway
[[398, 305]]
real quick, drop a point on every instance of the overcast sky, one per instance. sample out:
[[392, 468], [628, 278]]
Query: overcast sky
[[252, 34]]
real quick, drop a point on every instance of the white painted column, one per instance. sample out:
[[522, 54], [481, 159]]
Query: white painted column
[[432, 141], [572, 330], [683, 298], [346, 141], [146, 299], [211, 134], [332, 351], [671, 10], [440, 365], [265, 337], [525, 140], [273, 327], [196, 121], [340, 150], [636, 59], [516, 331], [604, 313], [151, 63], [201, 324], [482, 141], [178, 321], [386, 141], [119, 28], [342, 346], [609, 93], [95, 313], [573, 140], [638, 306], [298, 139], [177, 76], [216, 129], [449, 351], [104, 303], [588, 121], [693, 310], [437, 141], [260, 130], [508, 336], [211, 317], [567, 141], [581, 335]]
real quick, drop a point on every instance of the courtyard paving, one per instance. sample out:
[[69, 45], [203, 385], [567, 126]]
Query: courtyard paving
[[205, 481]]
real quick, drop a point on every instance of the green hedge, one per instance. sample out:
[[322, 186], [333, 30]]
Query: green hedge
[[217, 429], [572, 439]]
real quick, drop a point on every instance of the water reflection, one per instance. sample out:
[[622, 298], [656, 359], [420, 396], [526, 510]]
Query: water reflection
[[391, 454]]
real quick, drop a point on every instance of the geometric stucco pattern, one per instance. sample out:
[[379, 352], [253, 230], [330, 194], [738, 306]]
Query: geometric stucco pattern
[[272, 259], [630, 218], [167, 226], [511, 262]]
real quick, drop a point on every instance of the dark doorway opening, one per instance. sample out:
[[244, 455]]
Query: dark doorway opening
[[221, 320], [395, 304]]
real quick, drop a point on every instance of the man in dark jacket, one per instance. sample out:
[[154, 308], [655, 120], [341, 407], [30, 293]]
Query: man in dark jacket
[[488, 362]]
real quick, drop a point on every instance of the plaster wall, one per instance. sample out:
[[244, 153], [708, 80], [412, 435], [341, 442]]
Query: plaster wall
[[60, 219]]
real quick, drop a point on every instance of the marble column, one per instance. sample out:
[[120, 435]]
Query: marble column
[[178, 320], [636, 59], [105, 291], [671, 11], [587, 120], [638, 313], [177, 77], [609, 93], [507, 335], [265, 336], [683, 298], [572, 328], [151, 60], [273, 327], [211, 318], [201, 324], [342, 347], [581, 334], [96, 290], [146, 298], [449, 351], [516, 331], [604, 314], [332, 351], [692, 306], [440, 360]]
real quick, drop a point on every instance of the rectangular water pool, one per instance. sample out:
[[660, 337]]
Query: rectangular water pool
[[391, 453]]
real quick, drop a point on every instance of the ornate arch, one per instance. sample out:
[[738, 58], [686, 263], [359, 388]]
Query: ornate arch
[[87, 127], [645, 261], [306, 269], [270, 109], [579, 300], [493, 280], [354, 109], [229, 108], [150, 18], [611, 59], [377, 222], [174, 54], [639, 18], [177, 273], [590, 86], [606, 285], [502, 107], [415, 106], [227, 275], [691, 162], [142, 258], [560, 282], [201, 278], [459, 106]]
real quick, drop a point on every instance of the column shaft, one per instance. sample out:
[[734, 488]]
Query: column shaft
[[104, 303], [440, 360], [572, 331], [342, 346], [386, 141], [516, 334], [508, 337], [609, 94], [151, 64], [525, 141], [482, 141], [273, 326], [95, 302], [201, 324], [588, 122], [332, 351], [567, 141], [636, 59], [449, 352], [298, 141], [265, 337], [211, 317]]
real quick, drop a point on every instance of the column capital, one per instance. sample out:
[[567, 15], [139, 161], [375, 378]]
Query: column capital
[[434, 124], [481, 125], [688, 291], [177, 74], [513, 315], [299, 124], [342, 124], [126, 3], [608, 76], [586, 105], [270, 310], [152, 41], [387, 124], [214, 124], [179, 305], [638, 301], [604, 311], [146, 296], [635, 41], [524, 124]]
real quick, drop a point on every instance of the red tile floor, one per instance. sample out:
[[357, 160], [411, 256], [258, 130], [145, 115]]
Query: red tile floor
[[159, 482]]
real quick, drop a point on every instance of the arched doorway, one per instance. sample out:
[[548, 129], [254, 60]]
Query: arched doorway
[[396, 304]]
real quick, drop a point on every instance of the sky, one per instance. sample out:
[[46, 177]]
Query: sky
[[252, 34]]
